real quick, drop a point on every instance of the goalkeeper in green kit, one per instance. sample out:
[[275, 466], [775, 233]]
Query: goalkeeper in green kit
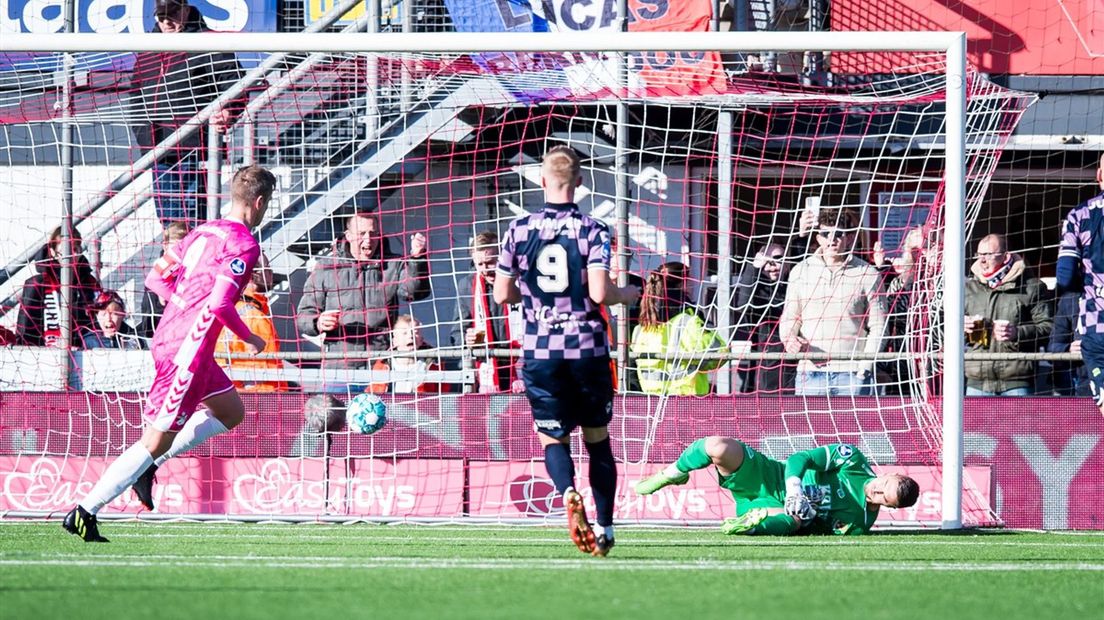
[[826, 490]]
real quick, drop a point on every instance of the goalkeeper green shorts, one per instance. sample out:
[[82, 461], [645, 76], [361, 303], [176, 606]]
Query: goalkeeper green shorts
[[759, 483]]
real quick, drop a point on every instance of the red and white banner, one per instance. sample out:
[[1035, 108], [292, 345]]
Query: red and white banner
[[243, 486], [652, 73], [409, 488], [1046, 455]]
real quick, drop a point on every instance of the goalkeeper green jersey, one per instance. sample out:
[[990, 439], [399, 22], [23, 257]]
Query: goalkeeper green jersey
[[836, 474]]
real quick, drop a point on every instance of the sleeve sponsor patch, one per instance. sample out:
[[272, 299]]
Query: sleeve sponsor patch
[[845, 451], [237, 266], [166, 266]]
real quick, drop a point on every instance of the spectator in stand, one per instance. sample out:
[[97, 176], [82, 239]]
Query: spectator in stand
[[1007, 311], [631, 311], [480, 322], [352, 296], [760, 294], [898, 278], [110, 329], [7, 337], [152, 305], [834, 305], [170, 88], [255, 313], [1070, 378], [670, 335], [39, 322], [406, 338], [323, 415]]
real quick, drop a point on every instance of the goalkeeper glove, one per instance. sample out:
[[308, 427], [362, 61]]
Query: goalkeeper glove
[[797, 505]]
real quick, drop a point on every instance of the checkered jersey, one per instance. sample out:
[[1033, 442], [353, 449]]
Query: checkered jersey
[[549, 253], [1083, 239]]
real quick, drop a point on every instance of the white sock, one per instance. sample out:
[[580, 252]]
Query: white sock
[[608, 531], [672, 471], [199, 428], [118, 477]]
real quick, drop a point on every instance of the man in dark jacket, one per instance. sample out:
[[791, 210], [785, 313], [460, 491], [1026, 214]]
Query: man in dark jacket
[[760, 294], [1070, 378], [170, 88], [352, 297], [1007, 311], [40, 305]]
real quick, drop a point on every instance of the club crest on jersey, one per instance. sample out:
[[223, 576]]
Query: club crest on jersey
[[237, 266], [844, 451]]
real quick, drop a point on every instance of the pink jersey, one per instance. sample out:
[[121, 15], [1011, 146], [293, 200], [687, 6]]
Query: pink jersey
[[201, 278]]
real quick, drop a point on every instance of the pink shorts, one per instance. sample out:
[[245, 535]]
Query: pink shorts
[[176, 392]]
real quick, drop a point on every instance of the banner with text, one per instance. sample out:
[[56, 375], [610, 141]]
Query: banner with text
[[117, 17], [1046, 454], [653, 73], [253, 487]]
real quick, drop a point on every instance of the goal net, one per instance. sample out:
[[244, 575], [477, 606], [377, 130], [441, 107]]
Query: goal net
[[724, 181]]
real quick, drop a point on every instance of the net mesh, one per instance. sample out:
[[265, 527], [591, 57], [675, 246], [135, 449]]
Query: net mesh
[[446, 148]]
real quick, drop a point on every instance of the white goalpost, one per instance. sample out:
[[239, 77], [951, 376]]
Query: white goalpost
[[438, 132]]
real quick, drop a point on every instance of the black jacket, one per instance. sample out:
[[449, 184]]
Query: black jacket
[[150, 314], [758, 306], [40, 304], [1070, 378], [171, 87]]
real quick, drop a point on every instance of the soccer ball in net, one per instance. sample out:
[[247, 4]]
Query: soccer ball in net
[[366, 414]]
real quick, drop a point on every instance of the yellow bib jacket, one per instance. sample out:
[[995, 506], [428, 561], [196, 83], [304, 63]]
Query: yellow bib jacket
[[669, 365]]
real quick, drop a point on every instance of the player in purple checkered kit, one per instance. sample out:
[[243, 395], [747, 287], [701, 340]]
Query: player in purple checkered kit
[[1081, 267], [556, 263]]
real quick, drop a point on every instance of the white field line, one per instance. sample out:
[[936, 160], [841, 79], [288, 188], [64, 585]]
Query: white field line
[[282, 563], [363, 527], [374, 536], [370, 535]]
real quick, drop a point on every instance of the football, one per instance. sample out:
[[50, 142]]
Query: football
[[366, 414]]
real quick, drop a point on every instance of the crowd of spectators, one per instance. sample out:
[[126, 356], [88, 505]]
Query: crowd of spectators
[[831, 302], [829, 308]]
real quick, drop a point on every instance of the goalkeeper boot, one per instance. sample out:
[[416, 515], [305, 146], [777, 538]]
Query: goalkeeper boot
[[82, 523], [577, 523], [659, 480], [745, 522], [143, 486], [602, 546]]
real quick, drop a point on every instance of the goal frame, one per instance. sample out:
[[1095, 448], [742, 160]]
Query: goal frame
[[952, 44]]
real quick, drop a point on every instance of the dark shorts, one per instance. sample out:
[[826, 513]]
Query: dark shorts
[[759, 483], [564, 394], [1092, 352]]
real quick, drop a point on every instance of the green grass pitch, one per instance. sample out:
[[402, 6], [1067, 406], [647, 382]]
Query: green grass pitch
[[334, 572]]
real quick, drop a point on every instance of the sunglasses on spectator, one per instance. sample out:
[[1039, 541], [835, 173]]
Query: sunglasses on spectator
[[775, 259]]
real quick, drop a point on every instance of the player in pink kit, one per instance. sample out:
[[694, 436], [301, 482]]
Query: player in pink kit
[[200, 280]]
